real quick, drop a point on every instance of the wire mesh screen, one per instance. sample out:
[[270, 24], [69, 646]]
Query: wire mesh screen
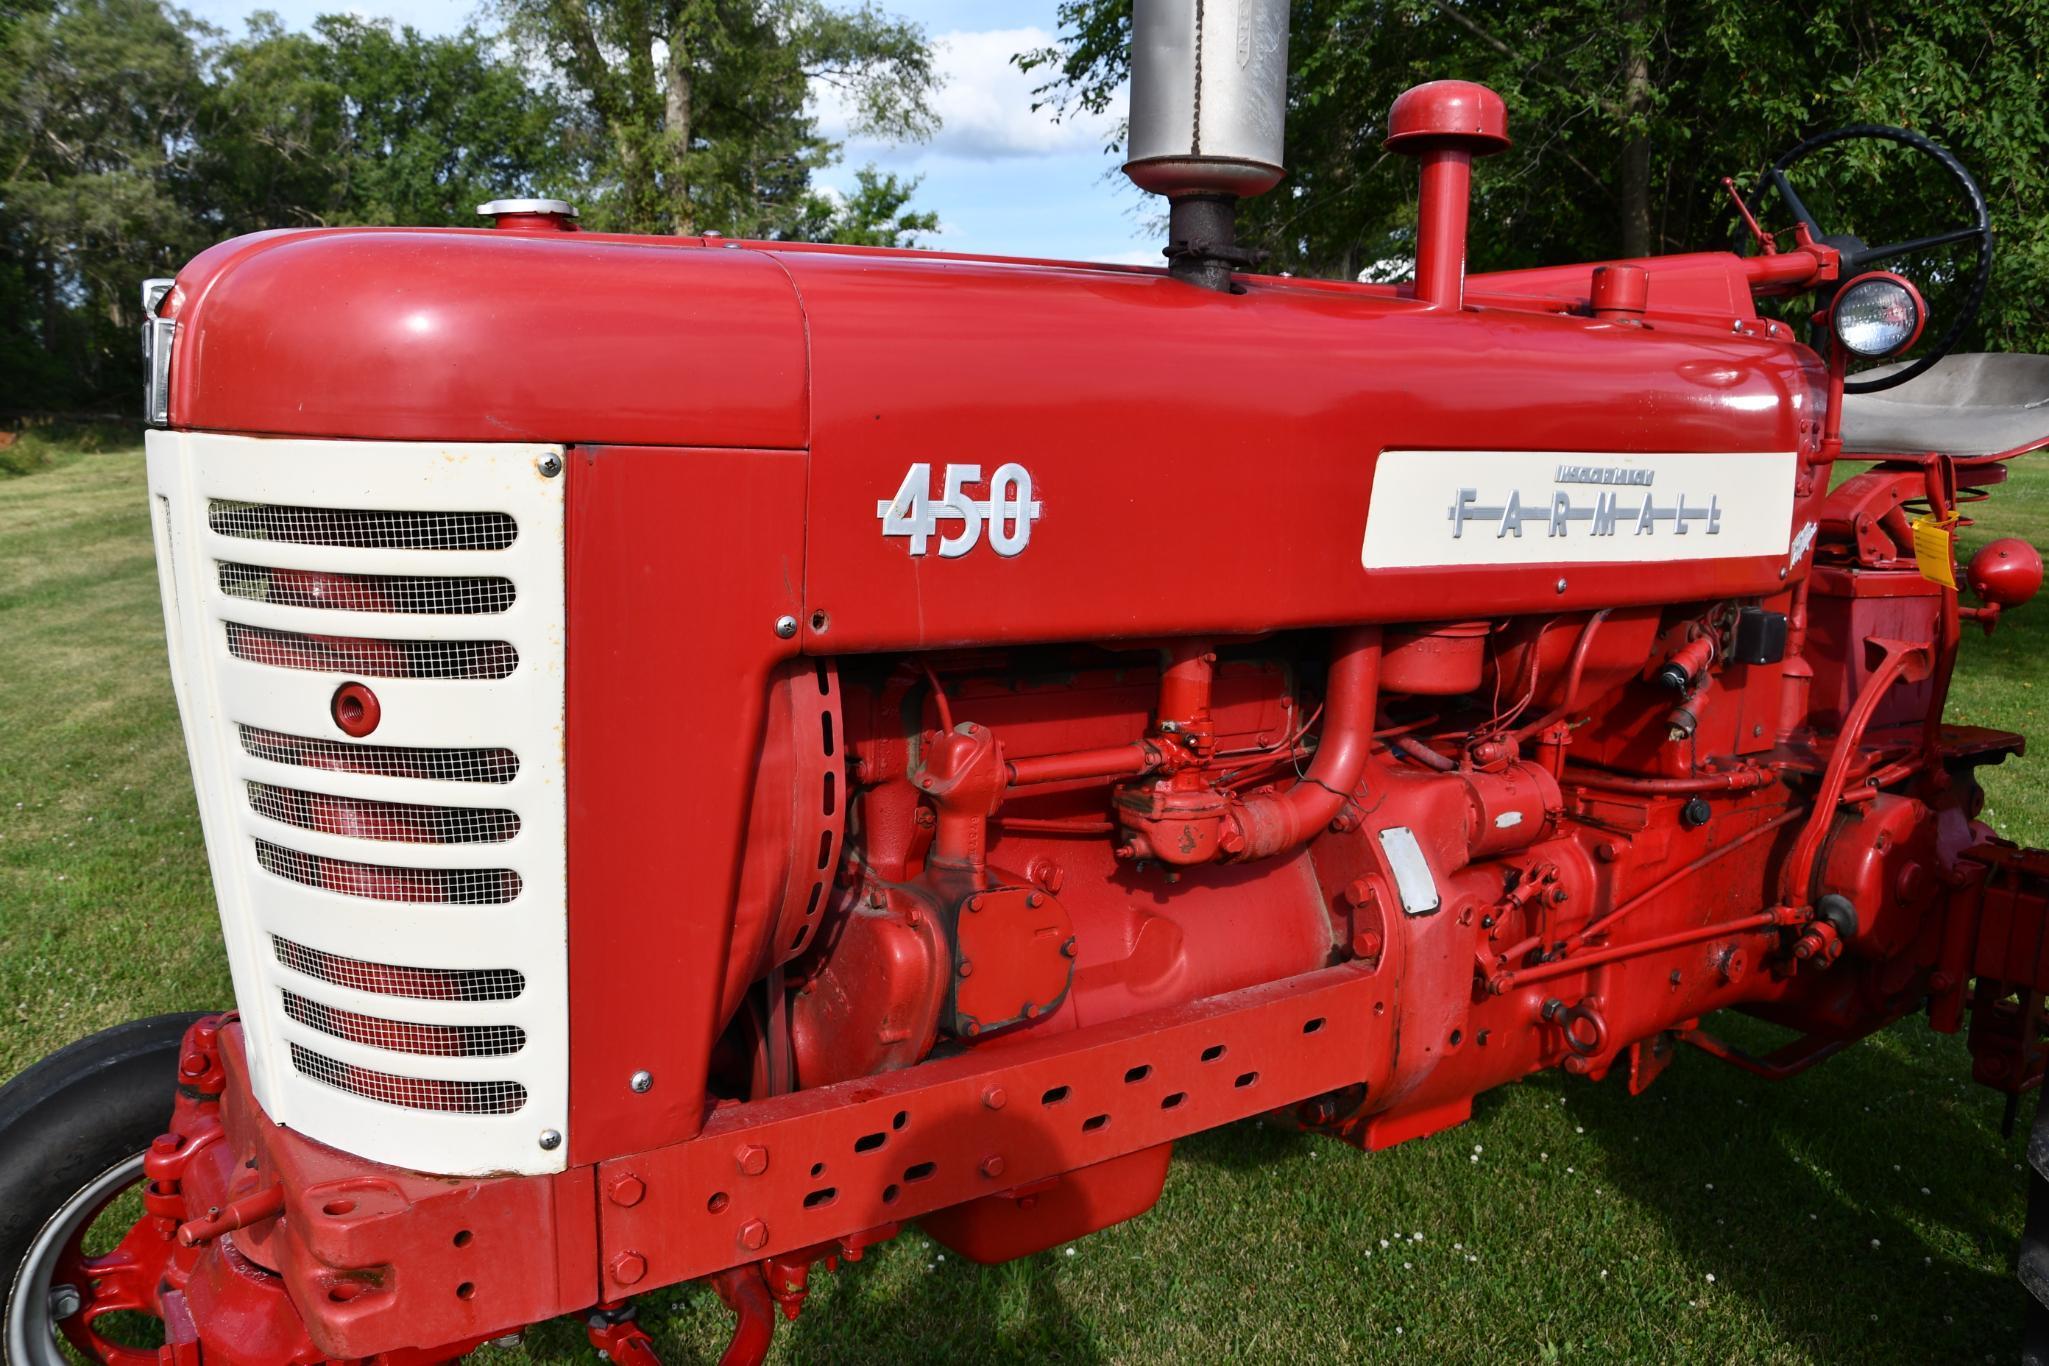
[[403, 1036], [413, 1093], [378, 882], [362, 528], [410, 593], [388, 979], [471, 659], [439, 765], [397, 822]]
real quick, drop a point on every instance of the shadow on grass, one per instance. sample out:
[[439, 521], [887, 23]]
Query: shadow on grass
[[1857, 1206]]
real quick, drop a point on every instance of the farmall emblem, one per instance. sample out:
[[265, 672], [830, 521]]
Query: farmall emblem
[[1602, 514], [1006, 514]]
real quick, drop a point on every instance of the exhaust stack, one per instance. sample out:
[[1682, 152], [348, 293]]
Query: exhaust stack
[[1209, 103]]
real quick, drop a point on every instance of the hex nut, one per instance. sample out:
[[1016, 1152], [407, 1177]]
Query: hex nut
[[753, 1235], [628, 1268], [626, 1189], [752, 1159]]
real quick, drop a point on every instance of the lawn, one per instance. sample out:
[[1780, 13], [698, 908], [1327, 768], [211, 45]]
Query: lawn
[[1866, 1212]]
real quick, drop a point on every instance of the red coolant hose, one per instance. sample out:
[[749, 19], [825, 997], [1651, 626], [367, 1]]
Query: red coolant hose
[[1269, 824]]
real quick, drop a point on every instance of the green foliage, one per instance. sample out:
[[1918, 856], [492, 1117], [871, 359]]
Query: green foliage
[[1626, 113], [703, 106]]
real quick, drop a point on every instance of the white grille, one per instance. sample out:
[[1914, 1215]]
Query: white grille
[[363, 528], [406, 1036], [413, 1093], [389, 979], [384, 882], [439, 765], [415, 593], [372, 658], [398, 822], [397, 936]]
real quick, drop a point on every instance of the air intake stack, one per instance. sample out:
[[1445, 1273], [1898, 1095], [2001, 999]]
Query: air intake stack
[[1209, 102]]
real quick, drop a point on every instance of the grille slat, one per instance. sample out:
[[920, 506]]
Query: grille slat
[[379, 882], [385, 761], [405, 1036], [360, 528], [396, 822], [390, 979], [403, 593], [412, 1093], [456, 659]]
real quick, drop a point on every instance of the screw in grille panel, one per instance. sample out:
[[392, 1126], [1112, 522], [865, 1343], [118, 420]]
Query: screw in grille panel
[[377, 882], [463, 659], [397, 822], [404, 1036], [407, 593], [386, 761], [413, 1093], [390, 979], [362, 528]]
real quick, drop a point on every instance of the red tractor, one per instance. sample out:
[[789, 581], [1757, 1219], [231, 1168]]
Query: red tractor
[[713, 751]]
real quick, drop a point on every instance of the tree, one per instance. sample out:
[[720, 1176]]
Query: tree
[[1626, 113], [703, 104], [97, 104], [358, 122]]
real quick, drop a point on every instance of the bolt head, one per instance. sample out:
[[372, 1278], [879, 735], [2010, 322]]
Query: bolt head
[[1561, 585], [785, 626], [642, 1082], [995, 1098], [992, 1165], [64, 1302], [751, 1158], [626, 1189], [549, 465], [628, 1268], [967, 968], [193, 1064], [754, 1235], [551, 1139]]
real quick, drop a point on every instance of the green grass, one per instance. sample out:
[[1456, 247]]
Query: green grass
[[1866, 1212]]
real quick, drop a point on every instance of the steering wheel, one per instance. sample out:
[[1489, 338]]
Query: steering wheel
[[1858, 258]]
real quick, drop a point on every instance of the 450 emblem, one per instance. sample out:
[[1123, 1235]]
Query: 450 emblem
[[1007, 513]]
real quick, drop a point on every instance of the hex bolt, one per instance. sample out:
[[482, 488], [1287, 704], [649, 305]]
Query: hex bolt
[[628, 1267], [1561, 585], [1067, 948], [967, 968], [642, 1082], [752, 1159], [785, 626], [995, 1098], [551, 1139], [992, 1165], [754, 1235], [193, 1064], [625, 1189], [549, 465], [64, 1302]]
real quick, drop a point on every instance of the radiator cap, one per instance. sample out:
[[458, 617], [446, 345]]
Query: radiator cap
[[531, 215]]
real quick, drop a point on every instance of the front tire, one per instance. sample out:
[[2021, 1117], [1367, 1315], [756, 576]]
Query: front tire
[[74, 1128]]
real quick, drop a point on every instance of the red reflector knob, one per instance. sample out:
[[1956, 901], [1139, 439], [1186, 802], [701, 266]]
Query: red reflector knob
[[2008, 572], [356, 710]]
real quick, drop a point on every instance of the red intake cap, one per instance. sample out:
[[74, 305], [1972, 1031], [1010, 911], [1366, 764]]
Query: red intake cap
[[1448, 114]]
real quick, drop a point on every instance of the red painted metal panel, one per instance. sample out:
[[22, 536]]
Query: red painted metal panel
[[670, 655], [1171, 435], [817, 1165], [488, 336]]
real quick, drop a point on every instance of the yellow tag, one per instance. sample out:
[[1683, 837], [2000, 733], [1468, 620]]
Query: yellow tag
[[1935, 549]]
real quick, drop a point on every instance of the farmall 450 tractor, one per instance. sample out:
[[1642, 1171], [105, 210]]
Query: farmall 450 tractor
[[712, 751]]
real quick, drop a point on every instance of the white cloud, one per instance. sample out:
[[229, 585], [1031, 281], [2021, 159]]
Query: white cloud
[[985, 105]]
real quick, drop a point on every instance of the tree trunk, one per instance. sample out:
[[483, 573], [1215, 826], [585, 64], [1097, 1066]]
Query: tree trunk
[[1636, 148], [676, 118]]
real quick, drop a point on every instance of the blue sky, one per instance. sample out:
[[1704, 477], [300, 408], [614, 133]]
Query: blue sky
[[1001, 178]]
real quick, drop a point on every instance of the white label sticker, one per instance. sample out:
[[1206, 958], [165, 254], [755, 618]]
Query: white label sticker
[[1547, 507], [1412, 876]]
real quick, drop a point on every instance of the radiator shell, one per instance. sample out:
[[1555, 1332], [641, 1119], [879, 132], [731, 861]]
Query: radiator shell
[[448, 1105]]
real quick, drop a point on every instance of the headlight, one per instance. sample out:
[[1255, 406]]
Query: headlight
[[1877, 315]]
